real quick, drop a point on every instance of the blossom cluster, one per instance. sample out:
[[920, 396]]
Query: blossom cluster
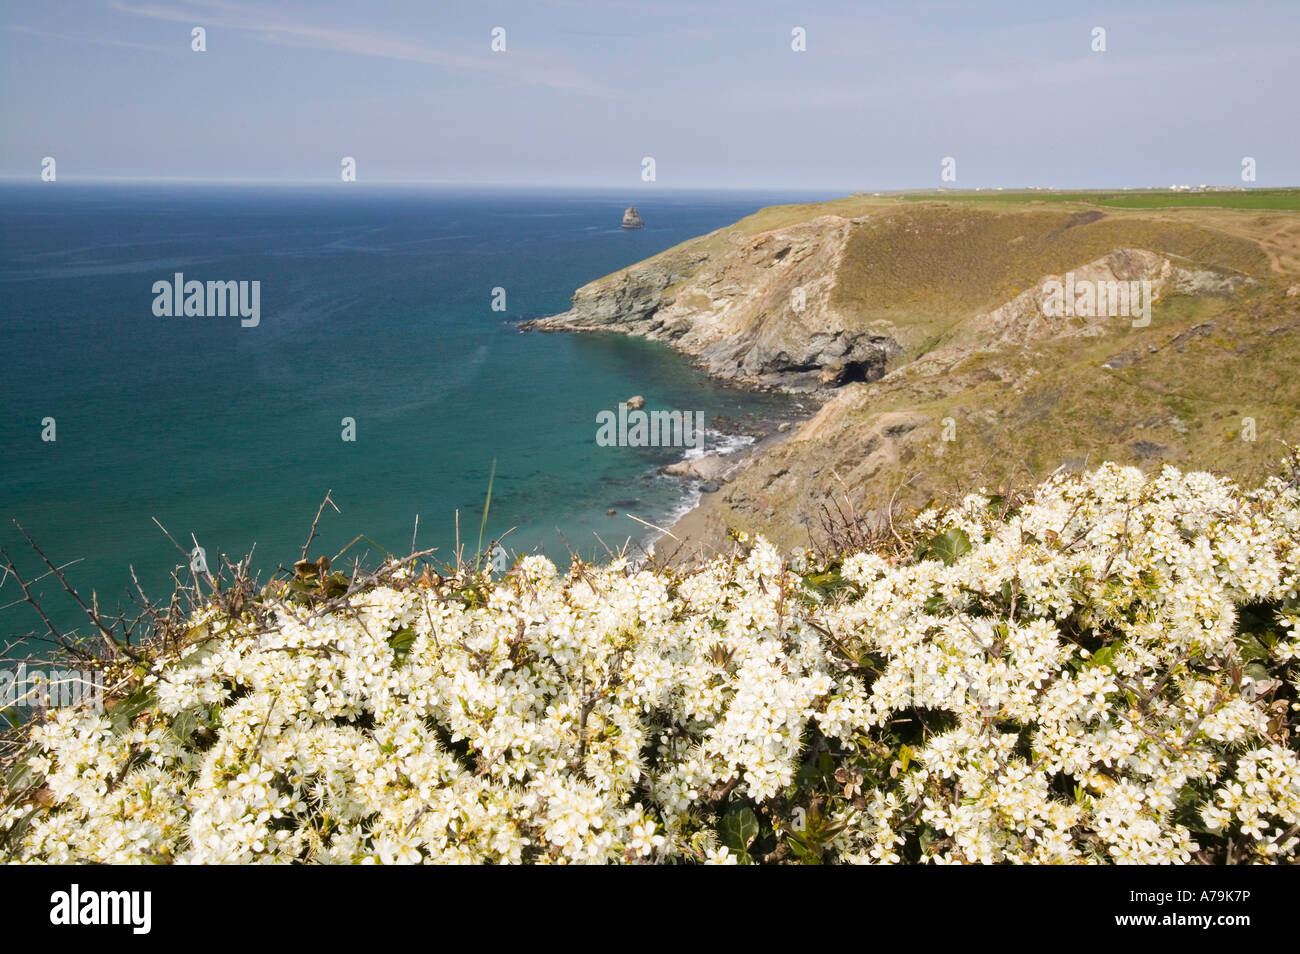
[[1102, 672]]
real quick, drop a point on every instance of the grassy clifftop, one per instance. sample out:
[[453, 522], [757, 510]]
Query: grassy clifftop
[[923, 329], [925, 269]]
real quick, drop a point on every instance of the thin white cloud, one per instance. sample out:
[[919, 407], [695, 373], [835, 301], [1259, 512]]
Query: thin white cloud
[[94, 40], [523, 66]]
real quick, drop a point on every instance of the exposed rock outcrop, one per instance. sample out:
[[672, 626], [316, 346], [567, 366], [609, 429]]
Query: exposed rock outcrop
[[626, 301], [632, 218], [710, 467], [758, 311]]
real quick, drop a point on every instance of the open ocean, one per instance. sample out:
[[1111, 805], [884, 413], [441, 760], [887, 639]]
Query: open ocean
[[375, 305]]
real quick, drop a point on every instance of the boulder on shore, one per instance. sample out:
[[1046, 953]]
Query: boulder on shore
[[714, 468]]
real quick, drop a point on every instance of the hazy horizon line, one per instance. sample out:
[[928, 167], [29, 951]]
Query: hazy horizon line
[[646, 187]]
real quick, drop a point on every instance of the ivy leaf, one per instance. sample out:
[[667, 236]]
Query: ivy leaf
[[948, 547], [184, 725], [951, 546], [738, 829]]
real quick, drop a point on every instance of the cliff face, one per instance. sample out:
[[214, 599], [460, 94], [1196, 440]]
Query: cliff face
[[927, 332], [757, 310]]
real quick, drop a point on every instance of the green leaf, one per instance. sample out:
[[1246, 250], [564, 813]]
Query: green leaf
[[1104, 656], [802, 851], [1251, 648], [826, 765], [125, 711], [738, 829], [135, 703], [948, 547], [935, 605], [402, 641], [827, 583], [20, 778], [185, 723], [926, 838], [1257, 672], [197, 656], [336, 584], [806, 852], [20, 827]]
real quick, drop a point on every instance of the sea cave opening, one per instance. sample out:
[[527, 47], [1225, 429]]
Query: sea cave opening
[[854, 372]]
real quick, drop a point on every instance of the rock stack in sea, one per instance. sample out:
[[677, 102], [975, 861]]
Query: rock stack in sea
[[632, 218]]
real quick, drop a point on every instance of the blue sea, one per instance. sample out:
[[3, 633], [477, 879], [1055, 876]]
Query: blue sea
[[376, 305]]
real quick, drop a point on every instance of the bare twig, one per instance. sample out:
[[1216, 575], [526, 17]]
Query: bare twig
[[312, 536]]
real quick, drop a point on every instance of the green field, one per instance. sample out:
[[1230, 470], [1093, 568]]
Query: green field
[[1281, 200]]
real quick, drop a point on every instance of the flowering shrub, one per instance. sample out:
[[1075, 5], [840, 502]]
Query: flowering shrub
[[1104, 671]]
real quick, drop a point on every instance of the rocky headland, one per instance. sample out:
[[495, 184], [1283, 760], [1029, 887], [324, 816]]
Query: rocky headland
[[925, 333]]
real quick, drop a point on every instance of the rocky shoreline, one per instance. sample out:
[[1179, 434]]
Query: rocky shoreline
[[733, 446], [714, 468], [711, 472]]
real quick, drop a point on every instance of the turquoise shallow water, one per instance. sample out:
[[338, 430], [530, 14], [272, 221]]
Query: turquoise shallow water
[[375, 305]]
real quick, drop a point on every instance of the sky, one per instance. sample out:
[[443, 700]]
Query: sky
[[714, 92]]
